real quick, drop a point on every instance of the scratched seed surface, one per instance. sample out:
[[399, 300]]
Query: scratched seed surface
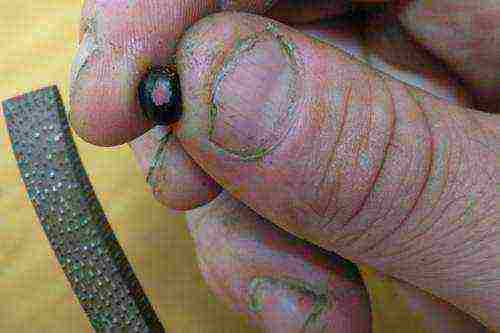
[[71, 215]]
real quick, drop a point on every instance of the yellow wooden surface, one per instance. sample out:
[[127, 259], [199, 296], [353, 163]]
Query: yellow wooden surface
[[37, 45]]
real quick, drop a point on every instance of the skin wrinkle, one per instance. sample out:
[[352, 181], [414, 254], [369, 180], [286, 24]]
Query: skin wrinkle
[[364, 233], [392, 208], [356, 165], [472, 244], [442, 267], [426, 217], [323, 114], [157, 162], [474, 252], [329, 164], [426, 177], [332, 157], [381, 166], [471, 247], [467, 208], [461, 249], [457, 265], [473, 117], [385, 154], [400, 251], [485, 123], [321, 111], [451, 176], [421, 251]]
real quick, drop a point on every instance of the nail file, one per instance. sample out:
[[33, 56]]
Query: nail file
[[71, 216]]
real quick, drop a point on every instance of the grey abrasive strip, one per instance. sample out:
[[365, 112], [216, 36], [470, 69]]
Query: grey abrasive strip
[[72, 217]]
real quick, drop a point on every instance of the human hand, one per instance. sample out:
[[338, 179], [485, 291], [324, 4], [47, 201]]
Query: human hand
[[378, 171]]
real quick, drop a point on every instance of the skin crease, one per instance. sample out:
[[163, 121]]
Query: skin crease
[[226, 231], [178, 182], [119, 44], [340, 33], [184, 179], [410, 233], [221, 268]]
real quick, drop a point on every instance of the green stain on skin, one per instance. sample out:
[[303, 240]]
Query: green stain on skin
[[260, 285], [365, 160], [158, 159], [269, 3], [436, 178], [272, 28], [320, 306], [377, 188], [287, 46], [259, 153], [241, 46], [256, 297], [413, 92], [468, 213], [212, 115]]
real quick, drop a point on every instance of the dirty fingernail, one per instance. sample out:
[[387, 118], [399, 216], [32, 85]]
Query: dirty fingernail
[[287, 305], [253, 97]]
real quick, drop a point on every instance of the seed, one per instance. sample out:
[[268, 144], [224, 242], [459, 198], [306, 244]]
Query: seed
[[160, 95]]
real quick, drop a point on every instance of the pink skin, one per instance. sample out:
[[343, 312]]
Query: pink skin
[[384, 45], [464, 34], [178, 181], [339, 33], [439, 146], [194, 179], [227, 272], [434, 314], [99, 99], [121, 43], [236, 247]]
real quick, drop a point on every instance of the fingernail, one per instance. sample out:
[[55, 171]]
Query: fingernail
[[254, 96], [286, 305]]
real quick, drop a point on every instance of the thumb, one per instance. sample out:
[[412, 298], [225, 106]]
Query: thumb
[[350, 159]]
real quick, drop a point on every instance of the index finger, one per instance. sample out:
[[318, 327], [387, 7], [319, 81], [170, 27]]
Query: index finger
[[119, 41]]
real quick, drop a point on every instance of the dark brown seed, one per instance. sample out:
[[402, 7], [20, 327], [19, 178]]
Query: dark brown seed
[[160, 95]]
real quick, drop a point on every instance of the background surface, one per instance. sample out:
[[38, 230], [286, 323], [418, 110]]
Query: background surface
[[38, 40]]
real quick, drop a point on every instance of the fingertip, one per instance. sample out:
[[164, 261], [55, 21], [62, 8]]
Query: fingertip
[[278, 282], [87, 12], [104, 109], [174, 178]]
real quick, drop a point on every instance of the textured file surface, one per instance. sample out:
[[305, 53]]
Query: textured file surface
[[72, 217]]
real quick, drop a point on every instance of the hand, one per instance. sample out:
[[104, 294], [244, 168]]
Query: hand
[[384, 163]]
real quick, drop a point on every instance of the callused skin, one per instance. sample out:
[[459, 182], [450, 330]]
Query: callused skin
[[135, 43], [119, 44], [285, 285], [397, 163]]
